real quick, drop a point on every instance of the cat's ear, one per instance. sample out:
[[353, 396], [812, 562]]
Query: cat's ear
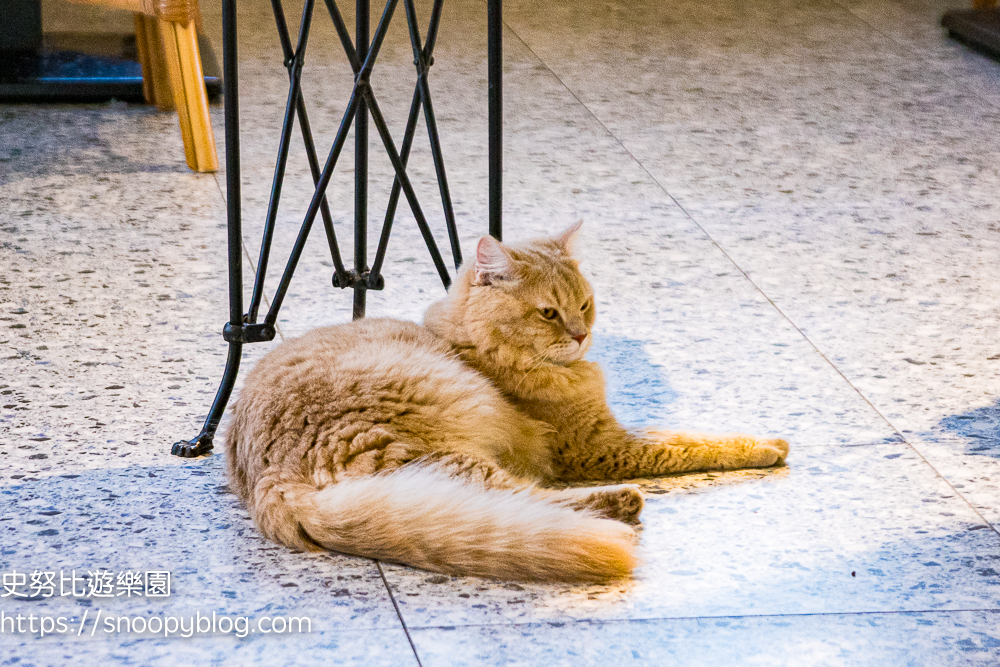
[[567, 240], [492, 262]]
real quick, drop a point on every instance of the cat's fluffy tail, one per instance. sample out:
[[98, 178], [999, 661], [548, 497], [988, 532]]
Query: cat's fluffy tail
[[422, 517]]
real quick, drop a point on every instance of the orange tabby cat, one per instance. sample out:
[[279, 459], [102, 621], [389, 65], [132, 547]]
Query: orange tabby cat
[[427, 445]]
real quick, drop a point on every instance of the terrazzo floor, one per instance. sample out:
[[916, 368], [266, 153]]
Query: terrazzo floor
[[792, 224]]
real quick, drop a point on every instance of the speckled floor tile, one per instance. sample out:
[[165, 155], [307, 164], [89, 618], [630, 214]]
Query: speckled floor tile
[[916, 24], [383, 647], [859, 640], [115, 401], [918, 296], [849, 178], [790, 223], [113, 305], [972, 469], [184, 520], [841, 529], [85, 242]]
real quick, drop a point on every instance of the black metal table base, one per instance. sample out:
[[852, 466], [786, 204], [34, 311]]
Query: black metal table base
[[361, 53]]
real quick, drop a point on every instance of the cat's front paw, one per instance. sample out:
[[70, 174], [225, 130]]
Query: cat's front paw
[[767, 453], [780, 445]]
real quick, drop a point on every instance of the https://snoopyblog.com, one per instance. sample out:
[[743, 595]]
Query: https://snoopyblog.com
[[91, 624]]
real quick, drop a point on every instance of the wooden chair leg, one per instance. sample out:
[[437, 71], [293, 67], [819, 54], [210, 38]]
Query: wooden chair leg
[[197, 97], [145, 58], [183, 62], [155, 78]]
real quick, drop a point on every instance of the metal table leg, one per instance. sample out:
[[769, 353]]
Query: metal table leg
[[494, 47], [202, 444], [362, 54]]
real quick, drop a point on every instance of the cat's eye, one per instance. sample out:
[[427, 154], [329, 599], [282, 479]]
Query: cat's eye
[[549, 313], [584, 307]]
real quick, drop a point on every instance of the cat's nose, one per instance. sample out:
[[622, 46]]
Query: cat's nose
[[579, 339]]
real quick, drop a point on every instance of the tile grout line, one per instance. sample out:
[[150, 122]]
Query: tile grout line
[[392, 598], [603, 621], [910, 50], [707, 235], [704, 231]]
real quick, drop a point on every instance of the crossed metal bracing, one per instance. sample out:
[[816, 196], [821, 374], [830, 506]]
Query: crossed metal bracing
[[362, 56]]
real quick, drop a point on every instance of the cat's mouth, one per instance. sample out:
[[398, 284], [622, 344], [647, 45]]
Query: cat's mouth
[[568, 352]]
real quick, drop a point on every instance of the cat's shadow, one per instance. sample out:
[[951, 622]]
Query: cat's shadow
[[640, 395], [637, 388], [980, 427]]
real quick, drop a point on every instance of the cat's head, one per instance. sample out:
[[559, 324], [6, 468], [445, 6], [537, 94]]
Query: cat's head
[[532, 296]]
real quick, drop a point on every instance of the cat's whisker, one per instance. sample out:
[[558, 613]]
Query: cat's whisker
[[538, 359]]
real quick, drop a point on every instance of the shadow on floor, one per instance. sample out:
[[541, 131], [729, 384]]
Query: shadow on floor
[[637, 388], [84, 139], [980, 426]]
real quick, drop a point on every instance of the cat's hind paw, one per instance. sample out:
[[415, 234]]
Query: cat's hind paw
[[622, 502]]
